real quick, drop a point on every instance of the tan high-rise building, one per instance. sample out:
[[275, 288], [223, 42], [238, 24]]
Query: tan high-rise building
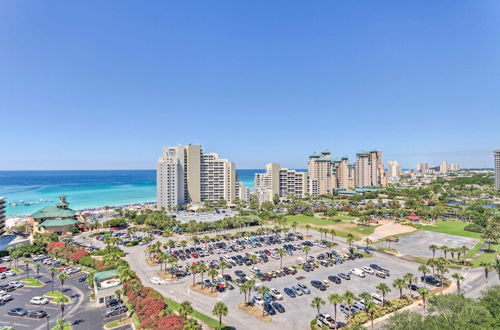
[[422, 167], [444, 167], [454, 167], [369, 169], [394, 169], [343, 173], [322, 179], [496, 154], [186, 175], [281, 182]]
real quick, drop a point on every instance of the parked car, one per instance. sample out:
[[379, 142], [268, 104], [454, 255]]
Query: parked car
[[368, 270], [276, 294], [289, 292], [82, 278], [344, 276], [116, 310], [279, 307], [37, 314], [257, 300], [335, 279], [113, 302], [39, 300], [318, 285], [156, 280], [298, 291], [4, 297], [357, 272], [18, 311], [304, 288]]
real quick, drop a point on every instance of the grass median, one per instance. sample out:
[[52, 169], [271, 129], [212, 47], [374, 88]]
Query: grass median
[[57, 297], [32, 282], [210, 322]]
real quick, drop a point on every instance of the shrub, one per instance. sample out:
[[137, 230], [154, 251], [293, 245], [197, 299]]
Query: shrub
[[78, 254], [474, 228]]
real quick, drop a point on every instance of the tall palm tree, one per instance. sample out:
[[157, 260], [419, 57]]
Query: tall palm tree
[[486, 266], [424, 293], [263, 291], [37, 269], [191, 324], [202, 268], [383, 289], [222, 266], [185, 309], [410, 278], [458, 277], [61, 324], [368, 241], [349, 298], [62, 277], [317, 302], [220, 310], [333, 233], [335, 299], [432, 263], [400, 284], [306, 249], [212, 273], [365, 297], [496, 267], [424, 270], [445, 250], [281, 253], [52, 271], [308, 226], [370, 310], [62, 301], [193, 270], [350, 239]]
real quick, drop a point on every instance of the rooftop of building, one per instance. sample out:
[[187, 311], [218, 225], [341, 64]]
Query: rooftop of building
[[55, 223], [105, 275], [61, 210]]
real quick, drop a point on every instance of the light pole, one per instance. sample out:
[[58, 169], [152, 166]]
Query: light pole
[[48, 317]]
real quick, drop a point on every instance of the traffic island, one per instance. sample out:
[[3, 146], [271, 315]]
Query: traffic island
[[167, 276], [32, 282], [117, 323], [203, 290], [254, 311], [57, 297]]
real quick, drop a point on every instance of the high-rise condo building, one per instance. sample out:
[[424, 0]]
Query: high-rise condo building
[[422, 167], [497, 169], [2, 216], [187, 175], [444, 167], [322, 179], [394, 169], [454, 167], [362, 170], [369, 169], [281, 182], [242, 192]]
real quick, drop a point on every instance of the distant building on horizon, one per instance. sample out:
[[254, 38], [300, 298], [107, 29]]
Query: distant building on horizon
[[422, 167], [497, 169], [444, 167], [281, 182], [394, 169], [2, 216], [454, 167], [187, 175]]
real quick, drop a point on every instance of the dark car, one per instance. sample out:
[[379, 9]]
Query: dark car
[[227, 277], [7, 287], [82, 278], [345, 276], [335, 279], [116, 310], [279, 307], [318, 285], [37, 314], [289, 292], [414, 287], [375, 266], [113, 302], [18, 311], [268, 308]]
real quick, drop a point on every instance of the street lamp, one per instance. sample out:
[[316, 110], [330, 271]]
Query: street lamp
[[48, 317]]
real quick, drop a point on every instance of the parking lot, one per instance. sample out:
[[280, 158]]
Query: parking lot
[[81, 312], [417, 244], [298, 311]]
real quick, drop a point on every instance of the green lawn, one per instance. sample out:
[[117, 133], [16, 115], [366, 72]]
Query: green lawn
[[487, 256], [475, 249], [452, 228], [303, 220], [16, 270], [66, 327], [32, 282], [344, 217], [57, 296], [342, 228], [210, 322]]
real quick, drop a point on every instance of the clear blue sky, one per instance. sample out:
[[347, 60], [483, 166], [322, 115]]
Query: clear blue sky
[[106, 84]]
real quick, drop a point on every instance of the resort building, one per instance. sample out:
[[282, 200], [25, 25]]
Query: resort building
[[362, 170], [281, 182], [394, 169], [106, 284], [242, 192], [497, 169], [444, 167], [322, 179], [369, 169], [57, 219], [2, 216], [187, 175], [422, 167], [454, 167]]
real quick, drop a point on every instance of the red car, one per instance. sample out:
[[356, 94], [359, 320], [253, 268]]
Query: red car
[[3, 269], [63, 268], [194, 255]]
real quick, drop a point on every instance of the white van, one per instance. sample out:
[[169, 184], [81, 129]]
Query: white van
[[357, 272]]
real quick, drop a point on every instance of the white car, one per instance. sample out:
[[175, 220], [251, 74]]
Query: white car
[[2, 276], [258, 300], [156, 280], [10, 273], [358, 272], [6, 297], [367, 269], [276, 294], [7, 259], [16, 284], [39, 300], [254, 270]]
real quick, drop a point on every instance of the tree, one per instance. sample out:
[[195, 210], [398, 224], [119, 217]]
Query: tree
[[496, 267], [400, 284], [52, 271], [370, 309], [349, 298], [193, 269], [220, 310], [62, 301], [486, 266], [405, 320], [202, 268], [316, 303], [222, 266], [333, 233], [410, 278], [185, 309], [444, 249], [263, 291], [308, 226], [281, 253], [335, 299], [383, 289], [212, 273], [37, 269], [306, 249], [191, 324], [350, 239], [490, 235], [368, 241], [61, 278], [61, 324], [424, 270], [458, 277], [365, 297], [424, 293]]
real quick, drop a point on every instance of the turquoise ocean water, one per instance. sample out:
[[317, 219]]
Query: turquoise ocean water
[[85, 189]]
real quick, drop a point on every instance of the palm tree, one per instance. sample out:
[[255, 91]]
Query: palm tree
[[317, 302], [424, 293], [306, 249], [61, 278], [335, 299], [445, 250], [458, 277], [496, 267], [432, 263], [62, 300], [191, 324], [52, 271], [349, 298], [220, 310], [410, 278], [281, 253], [193, 269], [308, 226], [244, 290], [202, 268], [212, 273], [37, 269], [222, 266], [383, 289], [400, 284], [487, 267], [366, 297], [350, 239], [185, 309], [61, 324], [370, 310], [333, 233], [263, 291], [183, 245], [368, 241], [489, 235]]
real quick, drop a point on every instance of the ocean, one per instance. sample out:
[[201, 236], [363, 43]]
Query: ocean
[[32, 190]]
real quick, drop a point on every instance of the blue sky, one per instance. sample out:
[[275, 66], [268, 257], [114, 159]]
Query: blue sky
[[104, 85]]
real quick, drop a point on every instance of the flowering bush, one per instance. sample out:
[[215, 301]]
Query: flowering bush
[[76, 255], [55, 245]]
